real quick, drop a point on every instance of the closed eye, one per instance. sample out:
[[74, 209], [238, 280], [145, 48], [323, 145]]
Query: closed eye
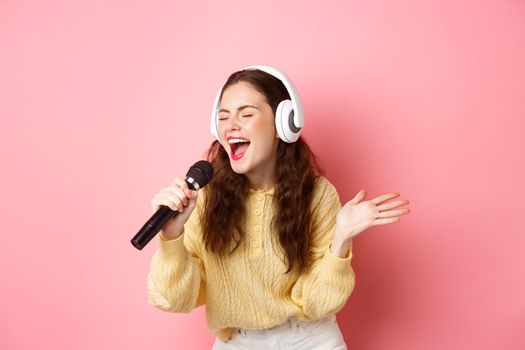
[[225, 118]]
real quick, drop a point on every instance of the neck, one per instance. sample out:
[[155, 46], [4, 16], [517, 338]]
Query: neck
[[264, 176], [263, 179], [259, 181]]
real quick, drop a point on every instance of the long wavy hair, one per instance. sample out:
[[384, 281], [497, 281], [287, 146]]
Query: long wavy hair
[[226, 194]]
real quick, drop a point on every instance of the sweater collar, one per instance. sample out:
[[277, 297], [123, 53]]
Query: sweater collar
[[261, 191]]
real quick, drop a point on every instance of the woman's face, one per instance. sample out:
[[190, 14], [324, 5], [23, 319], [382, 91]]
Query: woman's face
[[246, 128]]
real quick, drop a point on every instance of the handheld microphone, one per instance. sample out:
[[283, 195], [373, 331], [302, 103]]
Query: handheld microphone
[[197, 177]]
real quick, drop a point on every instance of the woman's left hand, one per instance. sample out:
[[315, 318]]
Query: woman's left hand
[[356, 216]]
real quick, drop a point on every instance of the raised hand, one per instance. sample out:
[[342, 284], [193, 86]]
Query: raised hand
[[356, 216]]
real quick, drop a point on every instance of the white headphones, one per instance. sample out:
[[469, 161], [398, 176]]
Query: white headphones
[[289, 116]]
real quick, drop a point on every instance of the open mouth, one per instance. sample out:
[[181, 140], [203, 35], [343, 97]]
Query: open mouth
[[238, 147]]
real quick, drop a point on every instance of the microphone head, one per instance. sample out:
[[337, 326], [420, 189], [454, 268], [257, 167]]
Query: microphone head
[[201, 173]]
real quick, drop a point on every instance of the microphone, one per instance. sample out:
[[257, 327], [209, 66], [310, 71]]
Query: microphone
[[197, 177]]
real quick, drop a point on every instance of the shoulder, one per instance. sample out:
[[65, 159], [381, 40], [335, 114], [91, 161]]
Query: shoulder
[[324, 192], [323, 187], [322, 182]]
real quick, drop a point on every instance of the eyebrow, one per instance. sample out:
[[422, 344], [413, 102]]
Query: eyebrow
[[239, 109]]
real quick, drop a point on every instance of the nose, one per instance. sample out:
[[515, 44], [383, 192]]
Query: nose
[[232, 124], [227, 126]]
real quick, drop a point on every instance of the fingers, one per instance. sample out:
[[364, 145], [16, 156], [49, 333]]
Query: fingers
[[385, 197], [393, 204], [176, 196], [158, 200], [184, 186], [388, 216], [358, 197], [392, 213], [168, 199], [385, 221]]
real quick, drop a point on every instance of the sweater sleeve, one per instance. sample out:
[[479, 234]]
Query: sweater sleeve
[[177, 279], [327, 285]]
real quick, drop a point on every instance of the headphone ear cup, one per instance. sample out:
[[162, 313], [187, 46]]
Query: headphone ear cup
[[284, 122], [215, 116], [214, 130]]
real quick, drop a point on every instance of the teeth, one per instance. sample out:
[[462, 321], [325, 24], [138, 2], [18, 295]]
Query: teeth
[[230, 141]]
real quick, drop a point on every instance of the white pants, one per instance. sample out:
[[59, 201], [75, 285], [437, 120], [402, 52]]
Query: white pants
[[293, 334]]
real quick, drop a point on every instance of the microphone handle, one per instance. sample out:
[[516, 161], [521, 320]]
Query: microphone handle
[[155, 223]]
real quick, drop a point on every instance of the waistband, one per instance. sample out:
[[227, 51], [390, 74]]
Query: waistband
[[292, 324]]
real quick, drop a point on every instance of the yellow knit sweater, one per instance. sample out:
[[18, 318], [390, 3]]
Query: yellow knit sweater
[[249, 289]]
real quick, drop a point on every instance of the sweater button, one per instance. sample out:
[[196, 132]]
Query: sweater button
[[260, 197], [257, 212], [257, 228], [256, 245]]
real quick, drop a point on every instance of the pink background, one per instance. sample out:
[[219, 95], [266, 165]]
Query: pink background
[[103, 103]]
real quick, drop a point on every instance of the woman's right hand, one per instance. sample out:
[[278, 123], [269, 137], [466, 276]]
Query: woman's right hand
[[179, 198]]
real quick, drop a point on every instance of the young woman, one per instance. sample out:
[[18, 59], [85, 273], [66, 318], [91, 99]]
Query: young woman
[[266, 245]]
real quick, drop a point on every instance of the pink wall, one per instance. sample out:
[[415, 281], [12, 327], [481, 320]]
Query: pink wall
[[103, 103]]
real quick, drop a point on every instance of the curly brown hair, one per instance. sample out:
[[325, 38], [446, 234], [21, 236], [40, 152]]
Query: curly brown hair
[[226, 194]]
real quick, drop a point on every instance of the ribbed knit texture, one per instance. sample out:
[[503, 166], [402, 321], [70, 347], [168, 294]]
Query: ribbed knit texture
[[249, 289]]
